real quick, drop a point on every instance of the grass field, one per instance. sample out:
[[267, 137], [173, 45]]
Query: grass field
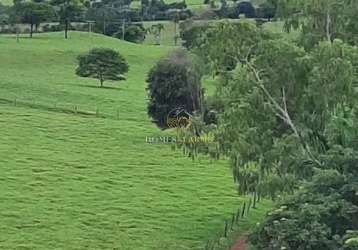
[[80, 182], [6, 2]]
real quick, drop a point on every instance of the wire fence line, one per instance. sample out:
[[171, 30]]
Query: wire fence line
[[230, 225], [220, 240], [62, 107]]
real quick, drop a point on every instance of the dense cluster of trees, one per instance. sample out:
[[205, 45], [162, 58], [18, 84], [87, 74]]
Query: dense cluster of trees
[[266, 10], [114, 17], [110, 17], [35, 12], [285, 114]]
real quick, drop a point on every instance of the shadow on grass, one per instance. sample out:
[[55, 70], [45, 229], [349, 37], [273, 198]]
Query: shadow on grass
[[99, 87]]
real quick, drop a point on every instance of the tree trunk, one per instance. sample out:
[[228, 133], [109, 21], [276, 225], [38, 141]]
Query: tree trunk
[[17, 33], [101, 80], [66, 28], [175, 33], [31, 29], [104, 24], [328, 26], [123, 28]]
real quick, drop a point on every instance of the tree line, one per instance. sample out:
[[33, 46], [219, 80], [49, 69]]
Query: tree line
[[109, 17], [116, 17]]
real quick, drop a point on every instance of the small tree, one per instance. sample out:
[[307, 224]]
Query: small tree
[[102, 64], [156, 30], [67, 11], [174, 83]]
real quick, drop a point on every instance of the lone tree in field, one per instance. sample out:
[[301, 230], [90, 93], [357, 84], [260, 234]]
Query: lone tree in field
[[174, 82], [102, 64]]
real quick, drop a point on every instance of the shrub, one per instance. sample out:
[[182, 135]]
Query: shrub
[[246, 8], [133, 33]]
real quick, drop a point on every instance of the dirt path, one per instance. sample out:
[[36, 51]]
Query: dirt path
[[240, 244]]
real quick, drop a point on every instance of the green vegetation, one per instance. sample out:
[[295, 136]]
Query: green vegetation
[[6, 2], [80, 182], [286, 115], [32, 13], [167, 34], [102, 64], [83, 166], [174, 82], [192, 4]]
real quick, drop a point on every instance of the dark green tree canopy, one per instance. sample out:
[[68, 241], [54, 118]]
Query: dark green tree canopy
[[134, 33], [287, 115], [323, 215], [103, 64], [321, 19], [174, 82]]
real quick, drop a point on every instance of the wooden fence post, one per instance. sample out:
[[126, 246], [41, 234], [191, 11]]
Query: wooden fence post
[[237, 216], [254, 204], [232, 222], [249, 206], [258, 197], [226, 228], [243, 210]]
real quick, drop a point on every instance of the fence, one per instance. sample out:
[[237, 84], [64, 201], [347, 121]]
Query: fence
[[231, 225], [69, 108]]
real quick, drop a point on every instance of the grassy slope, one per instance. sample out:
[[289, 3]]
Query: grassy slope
[[75, 182], [6, 2]]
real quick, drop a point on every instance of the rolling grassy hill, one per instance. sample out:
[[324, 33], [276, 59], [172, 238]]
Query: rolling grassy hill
[[72, 181]]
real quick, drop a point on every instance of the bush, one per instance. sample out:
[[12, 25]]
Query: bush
[[133, 33], [205, 14], [51, 28], [174, 82], [111, 28], [266, 10], [213, 106], [246, 8]]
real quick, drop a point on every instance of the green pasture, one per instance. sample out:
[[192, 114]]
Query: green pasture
[[72, 181]]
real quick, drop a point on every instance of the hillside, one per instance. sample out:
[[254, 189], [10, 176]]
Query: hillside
[[81, 182]]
